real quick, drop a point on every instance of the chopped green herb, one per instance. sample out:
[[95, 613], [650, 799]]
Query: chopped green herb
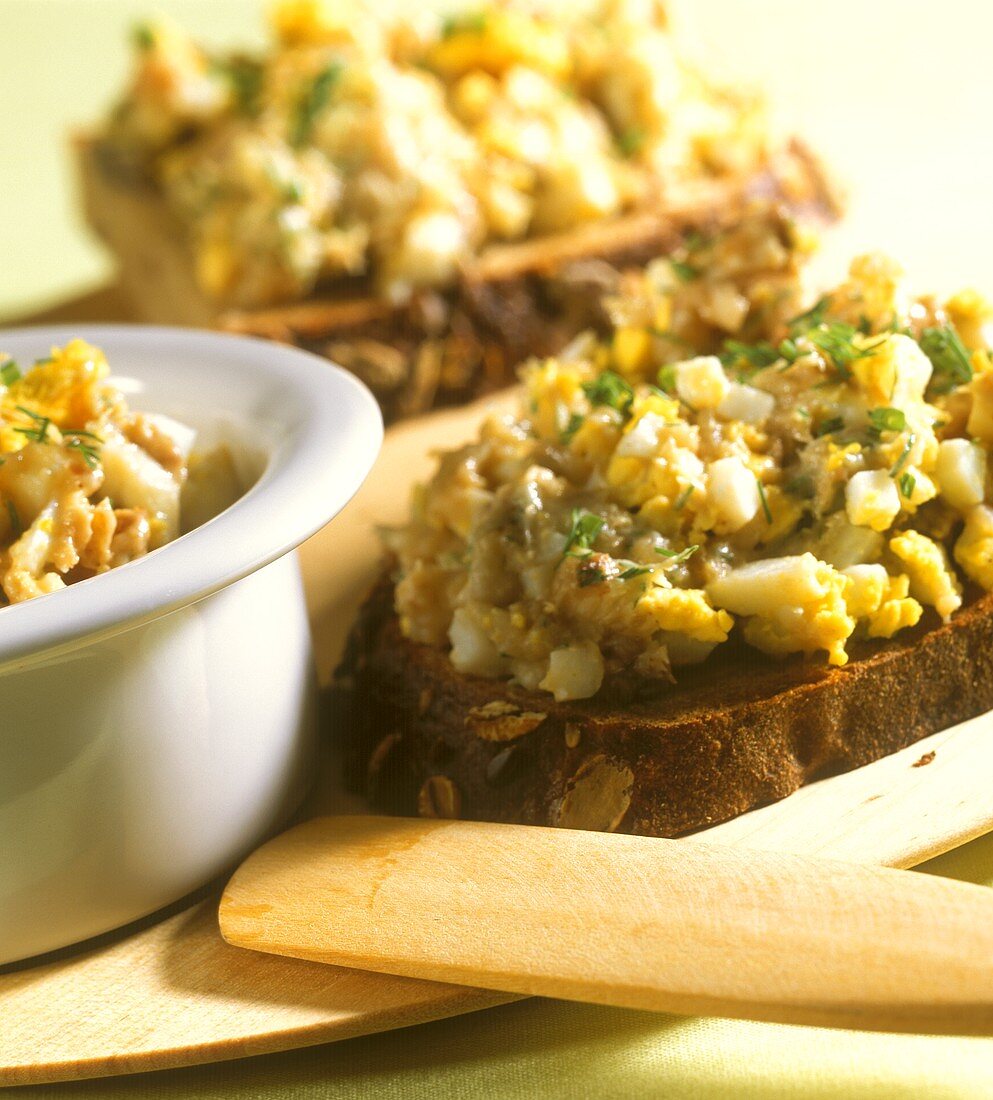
[[803, 413], [585, 528], [10, 372], [469, 22], [907, 483], [800, 486], [313, 102], [757, 356], [765, 503], [83, 442], [43, 360], [887, 420], [789, 351], [610, 389], [684, 272], [590, 572], [811, 318], [836, 339], [575, 423], [683, 497], [39, 432], [667, 379], [826, 427], [632, 570], [676, 557], [948, 355], [142, 36], [630, 142], [15, 519], [904, 454], [245, 77], [695, 240]]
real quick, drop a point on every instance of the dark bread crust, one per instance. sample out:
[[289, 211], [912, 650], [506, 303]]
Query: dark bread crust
[[734, 733], [512, 302]]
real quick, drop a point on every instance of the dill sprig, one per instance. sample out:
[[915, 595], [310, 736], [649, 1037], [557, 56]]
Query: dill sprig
[[39, 432], [904, 454], [576, 421], [585, 528], [887, 420], [676, 557], [765, 503], [314, 100], [88, 446], [610, 389], [10, 372], [949, 356], [15, 519]]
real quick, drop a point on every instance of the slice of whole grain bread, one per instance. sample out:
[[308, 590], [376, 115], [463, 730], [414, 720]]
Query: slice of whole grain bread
[[732, 733]]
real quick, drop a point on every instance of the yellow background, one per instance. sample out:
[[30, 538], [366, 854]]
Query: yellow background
[[899, 96]]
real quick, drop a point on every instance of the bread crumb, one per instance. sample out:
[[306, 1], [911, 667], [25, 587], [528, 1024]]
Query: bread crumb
[[925, 759]]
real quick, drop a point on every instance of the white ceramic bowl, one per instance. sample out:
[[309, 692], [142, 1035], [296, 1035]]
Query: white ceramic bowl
[[157, 720]]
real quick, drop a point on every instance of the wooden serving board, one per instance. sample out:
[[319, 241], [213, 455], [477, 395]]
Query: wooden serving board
[[173, 993]]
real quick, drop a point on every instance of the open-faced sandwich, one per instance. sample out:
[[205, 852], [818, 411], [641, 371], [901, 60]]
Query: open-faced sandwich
[[426, 200], [694, 571]]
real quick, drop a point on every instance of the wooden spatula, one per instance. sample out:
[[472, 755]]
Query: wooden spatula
[[672, 925]]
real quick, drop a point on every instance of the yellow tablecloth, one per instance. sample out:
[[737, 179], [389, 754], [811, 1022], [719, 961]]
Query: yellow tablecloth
[[899, 94]]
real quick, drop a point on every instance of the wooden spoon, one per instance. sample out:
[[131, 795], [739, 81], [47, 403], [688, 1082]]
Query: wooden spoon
[[670, 925]]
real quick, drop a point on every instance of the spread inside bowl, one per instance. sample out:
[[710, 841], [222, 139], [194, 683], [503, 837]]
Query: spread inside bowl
[[87, 484], [727, 458]]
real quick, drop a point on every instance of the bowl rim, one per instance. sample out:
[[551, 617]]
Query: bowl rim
[[330, 437]]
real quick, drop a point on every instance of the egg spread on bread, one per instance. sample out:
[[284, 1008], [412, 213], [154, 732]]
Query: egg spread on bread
[[398, 147], [87, 484], [727, 458]]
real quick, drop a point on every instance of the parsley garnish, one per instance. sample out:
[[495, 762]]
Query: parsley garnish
[[39, 432], [907, 483], [904, 454], [10, 372], [683, 497], [610, 389], [575, 423], [765, 503], [585, 528], [313, 102], [677, 557], [684, 272], [887, 420], [948, 355], [15, 519]]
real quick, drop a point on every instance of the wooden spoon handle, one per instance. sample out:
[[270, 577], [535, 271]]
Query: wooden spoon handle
[[671, 925]]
